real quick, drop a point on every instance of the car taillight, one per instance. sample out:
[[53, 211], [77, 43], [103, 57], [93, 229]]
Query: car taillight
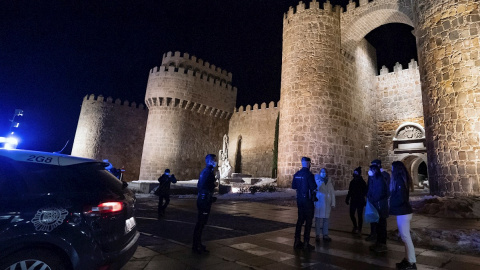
[[104, 208]]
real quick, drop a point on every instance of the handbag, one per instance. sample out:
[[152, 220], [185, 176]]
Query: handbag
[[371, 213]]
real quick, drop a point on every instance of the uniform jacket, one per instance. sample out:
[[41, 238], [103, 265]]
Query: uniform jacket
[[165, 180], [326, 198], [304, 182], [357, 190], [206, 181], [378, 194], [399, 202]]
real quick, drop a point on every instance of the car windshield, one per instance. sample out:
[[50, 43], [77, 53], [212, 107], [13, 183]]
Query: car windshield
[[84, 178]]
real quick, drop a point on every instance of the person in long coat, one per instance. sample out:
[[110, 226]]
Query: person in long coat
[[326, 200]]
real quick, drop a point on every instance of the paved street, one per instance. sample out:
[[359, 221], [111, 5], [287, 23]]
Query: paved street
[[259, 235]]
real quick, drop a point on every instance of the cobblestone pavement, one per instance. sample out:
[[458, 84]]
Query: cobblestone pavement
[[259, 235]]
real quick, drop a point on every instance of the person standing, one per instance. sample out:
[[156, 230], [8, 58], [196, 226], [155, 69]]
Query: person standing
[[304, 183], [373, 225], [324, 204], [357, 190], [163, 191], [400, 207], [377, 195], [206, 185]]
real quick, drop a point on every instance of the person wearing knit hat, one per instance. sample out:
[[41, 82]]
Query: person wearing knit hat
[[357, 191]]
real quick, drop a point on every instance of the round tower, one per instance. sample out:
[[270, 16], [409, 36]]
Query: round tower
[[190, 103], [310, 107], [447, 33], [108, 129]]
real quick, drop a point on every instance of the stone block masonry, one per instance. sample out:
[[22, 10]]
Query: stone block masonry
[[252, 134], [334, 108], [111, 130], [449, 49], [178, 139], [190, 103]]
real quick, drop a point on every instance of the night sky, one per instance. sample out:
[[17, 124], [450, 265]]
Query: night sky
[[53, 53]]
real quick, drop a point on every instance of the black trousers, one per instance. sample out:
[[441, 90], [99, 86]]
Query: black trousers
[[203, 205], [163, 201], [382, 230], [305, 215], [358, 208], [373, 228]]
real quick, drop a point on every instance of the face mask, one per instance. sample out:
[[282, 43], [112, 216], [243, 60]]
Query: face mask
[[167, 173]]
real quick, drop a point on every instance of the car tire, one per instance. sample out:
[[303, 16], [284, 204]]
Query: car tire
[[33, 259]]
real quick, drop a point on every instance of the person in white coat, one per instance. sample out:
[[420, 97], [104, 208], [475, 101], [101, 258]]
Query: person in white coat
[[323, 207]]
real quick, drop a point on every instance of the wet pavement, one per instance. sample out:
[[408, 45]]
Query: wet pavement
[[258, 235]]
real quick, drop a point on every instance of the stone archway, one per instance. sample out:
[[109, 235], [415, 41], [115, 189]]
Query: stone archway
[[357, 22], [412, 163]]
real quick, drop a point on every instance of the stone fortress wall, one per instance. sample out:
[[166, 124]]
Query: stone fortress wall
[[190, 103], [334, 106], [311, 104], [252, 134], [108, 129], [399, 100], [448, 45], [326, 96]]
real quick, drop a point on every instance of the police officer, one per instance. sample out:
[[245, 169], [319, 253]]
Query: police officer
[[304, 182], [206, 185], [163, 191]]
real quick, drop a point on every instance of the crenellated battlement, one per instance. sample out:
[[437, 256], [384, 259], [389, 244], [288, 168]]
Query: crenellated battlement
[[187, 105], [187, 61], [126, 103], [168, 70], [412, 66], [313, 5], [263, 106]]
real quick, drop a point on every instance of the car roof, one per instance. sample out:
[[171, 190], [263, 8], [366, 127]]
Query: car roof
[[44, 157]]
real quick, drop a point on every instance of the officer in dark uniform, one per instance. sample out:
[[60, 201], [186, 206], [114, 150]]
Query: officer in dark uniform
[[163, 191], [206, 185], [304, 182]]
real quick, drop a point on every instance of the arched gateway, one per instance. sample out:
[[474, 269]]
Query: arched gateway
[[329, 80]]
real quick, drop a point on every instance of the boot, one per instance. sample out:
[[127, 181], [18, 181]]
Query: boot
[[308, 247], [371, 238], [297, 244]]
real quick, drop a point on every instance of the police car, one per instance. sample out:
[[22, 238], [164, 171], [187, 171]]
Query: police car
[[63, 212]]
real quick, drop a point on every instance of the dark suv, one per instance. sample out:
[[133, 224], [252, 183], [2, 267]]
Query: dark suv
[[63, 212]]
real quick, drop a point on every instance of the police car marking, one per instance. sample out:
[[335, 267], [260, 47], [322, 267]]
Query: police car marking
[[39, 159], [48, 218]]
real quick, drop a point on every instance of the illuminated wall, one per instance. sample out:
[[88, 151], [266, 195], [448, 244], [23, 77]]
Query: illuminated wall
[[111, 130], [447, 34], [253, 153], [190, 103]]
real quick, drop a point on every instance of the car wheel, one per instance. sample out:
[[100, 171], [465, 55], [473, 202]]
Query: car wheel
[[33, 259]]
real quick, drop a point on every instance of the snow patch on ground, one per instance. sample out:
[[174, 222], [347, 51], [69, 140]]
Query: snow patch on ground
[[459, 207]]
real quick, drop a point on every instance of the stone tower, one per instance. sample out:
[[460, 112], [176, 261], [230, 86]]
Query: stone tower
[[447, 35], [108, 129], [322, 96], [310, 62], [190, 103]]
